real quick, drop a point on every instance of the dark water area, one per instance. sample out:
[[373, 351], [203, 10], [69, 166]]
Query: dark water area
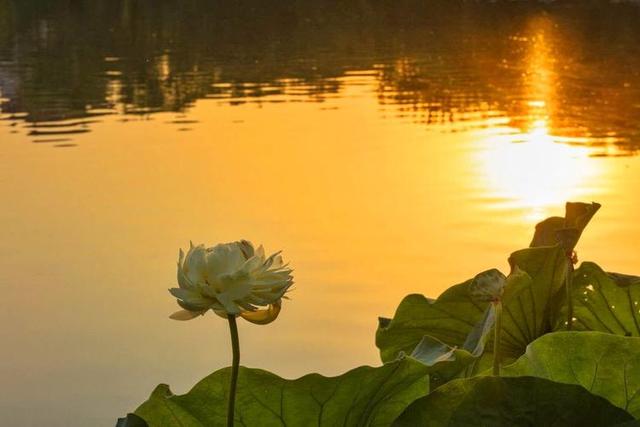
[[449, 64]]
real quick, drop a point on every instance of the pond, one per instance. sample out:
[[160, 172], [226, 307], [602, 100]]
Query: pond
[[388, 147]]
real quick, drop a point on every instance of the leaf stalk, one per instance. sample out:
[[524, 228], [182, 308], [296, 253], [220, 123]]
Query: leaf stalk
[[235, 346], [568, 287], [497, 330]]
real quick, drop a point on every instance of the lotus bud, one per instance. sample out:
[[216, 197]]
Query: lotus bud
[[488, 286]]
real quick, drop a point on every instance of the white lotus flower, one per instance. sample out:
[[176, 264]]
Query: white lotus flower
[[231, 278]]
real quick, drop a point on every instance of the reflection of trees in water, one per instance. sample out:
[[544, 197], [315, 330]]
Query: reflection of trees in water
[[578, 68], [435, 61], [166, 54]]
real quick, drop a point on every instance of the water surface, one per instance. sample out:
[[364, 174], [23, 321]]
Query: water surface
[[388, 148]]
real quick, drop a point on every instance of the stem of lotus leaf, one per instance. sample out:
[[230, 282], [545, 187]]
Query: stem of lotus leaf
[[569, 286], [497, 331], [235, 345]]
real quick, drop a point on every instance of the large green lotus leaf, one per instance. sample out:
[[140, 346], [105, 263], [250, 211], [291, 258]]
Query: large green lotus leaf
[[511, 402], [529, 301], [365, 396], [456, 319], [605, 302], [447, 362], [606, 365], [449, 319]]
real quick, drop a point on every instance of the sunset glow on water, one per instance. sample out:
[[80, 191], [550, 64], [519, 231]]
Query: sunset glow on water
[[382, 166]]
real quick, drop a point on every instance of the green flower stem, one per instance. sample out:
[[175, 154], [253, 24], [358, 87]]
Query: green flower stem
[[235, 345], [497, 330], [568, 286]]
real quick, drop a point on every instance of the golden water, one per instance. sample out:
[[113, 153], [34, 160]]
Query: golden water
[[380, 169]]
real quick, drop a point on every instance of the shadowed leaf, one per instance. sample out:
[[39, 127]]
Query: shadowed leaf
[[577, 216], [546, 233], [131, 420], [511, 402], [606, 365]]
